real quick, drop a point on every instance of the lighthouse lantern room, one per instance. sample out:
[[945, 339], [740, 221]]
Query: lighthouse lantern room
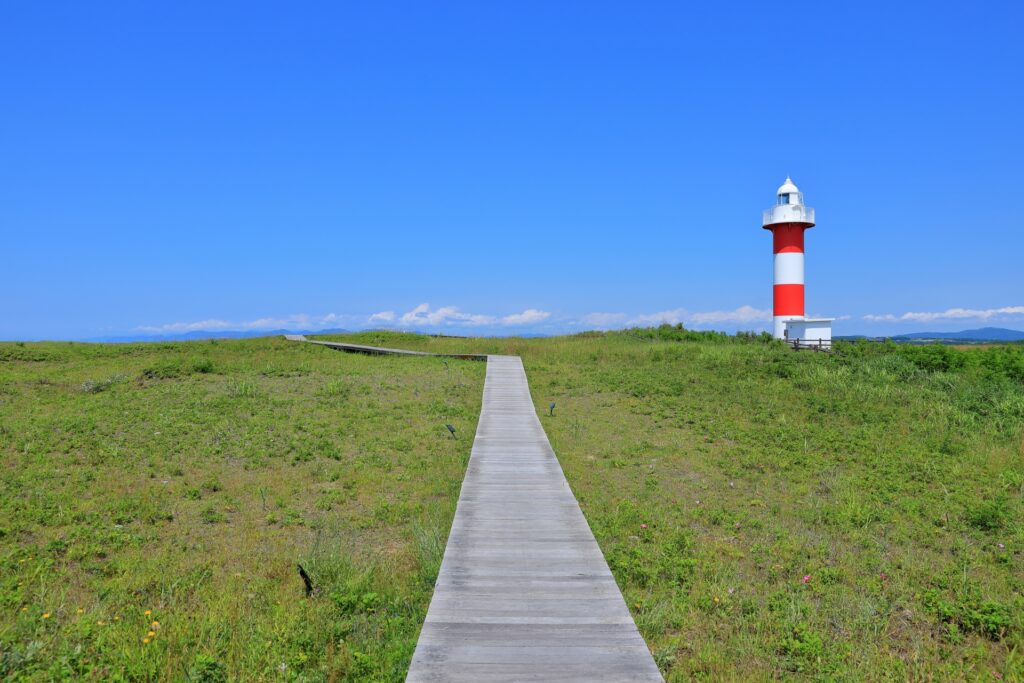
[[788, 220]]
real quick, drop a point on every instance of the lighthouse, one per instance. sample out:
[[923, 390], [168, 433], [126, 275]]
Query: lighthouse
[[788, 220]]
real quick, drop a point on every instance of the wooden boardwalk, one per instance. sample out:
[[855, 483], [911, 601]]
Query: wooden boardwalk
[[381, 351], [524, 593]]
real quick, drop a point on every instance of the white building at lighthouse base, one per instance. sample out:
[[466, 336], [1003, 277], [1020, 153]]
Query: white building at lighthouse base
[[808, 332]]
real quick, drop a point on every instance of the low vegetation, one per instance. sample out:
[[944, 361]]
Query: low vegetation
[[767, 514], [855, 516], [156, 499]]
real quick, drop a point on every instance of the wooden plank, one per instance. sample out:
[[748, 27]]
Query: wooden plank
[[524, 593], [382, 351]]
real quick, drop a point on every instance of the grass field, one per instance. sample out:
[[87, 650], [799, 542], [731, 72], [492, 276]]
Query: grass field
[[767, 514], [155, 500]]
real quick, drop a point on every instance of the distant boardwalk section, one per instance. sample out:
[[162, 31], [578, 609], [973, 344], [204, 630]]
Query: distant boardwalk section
[[524, 593], [381, 351]]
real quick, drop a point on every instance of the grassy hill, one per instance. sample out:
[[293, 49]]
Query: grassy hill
[[766, 513]]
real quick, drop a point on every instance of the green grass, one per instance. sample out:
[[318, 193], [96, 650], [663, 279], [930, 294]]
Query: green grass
[[717, 473], [182, 483], [767, 514]]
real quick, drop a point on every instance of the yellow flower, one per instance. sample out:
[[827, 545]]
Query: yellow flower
[[24, 609], [716, 599], [145, 641], [100, 622], [148, 612], [151, 634], [117, 618], [46, 615], [156, 624], [79, 610]]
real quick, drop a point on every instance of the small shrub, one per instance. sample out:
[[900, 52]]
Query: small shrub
[[989, 515], [802, 648], [206, 669], [95, 386], [934, 357], [202, 365], [165, 370], [968, 613], [353, 600], [210, 515]]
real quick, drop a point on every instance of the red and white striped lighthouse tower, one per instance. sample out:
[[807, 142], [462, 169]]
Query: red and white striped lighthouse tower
[[788, 220]]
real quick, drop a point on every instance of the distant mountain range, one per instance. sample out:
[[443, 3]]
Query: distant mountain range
[[984, 334]]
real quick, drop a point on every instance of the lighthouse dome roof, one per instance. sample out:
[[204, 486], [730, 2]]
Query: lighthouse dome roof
[[787, 187]]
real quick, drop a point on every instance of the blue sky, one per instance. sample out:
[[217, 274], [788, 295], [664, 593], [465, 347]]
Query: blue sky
[[505, 167]]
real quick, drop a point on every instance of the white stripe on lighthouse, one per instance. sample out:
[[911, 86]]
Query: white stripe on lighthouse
[[789, 268]]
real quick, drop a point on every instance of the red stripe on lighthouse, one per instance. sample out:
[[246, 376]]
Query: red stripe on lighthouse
[[789, 300], [788, 237]]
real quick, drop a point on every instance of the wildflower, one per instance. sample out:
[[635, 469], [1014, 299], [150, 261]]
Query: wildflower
[[79, 610], [148, 612], [1001, 545], [117, 618], [24, 609], [731, 591], [716, 600], [643, 526], [100, 622], [151, 634], [46, 615], [155, 624], [737, 525], [883, 576], [807, 578], [145, 641]]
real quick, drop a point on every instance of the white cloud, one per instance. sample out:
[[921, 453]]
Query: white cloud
[[382, 317], [187, 327], [744, 315], [420, 316], [671, 317], [527, 317], [446, 315], [949, 314], [423, 315], [298, 320]]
